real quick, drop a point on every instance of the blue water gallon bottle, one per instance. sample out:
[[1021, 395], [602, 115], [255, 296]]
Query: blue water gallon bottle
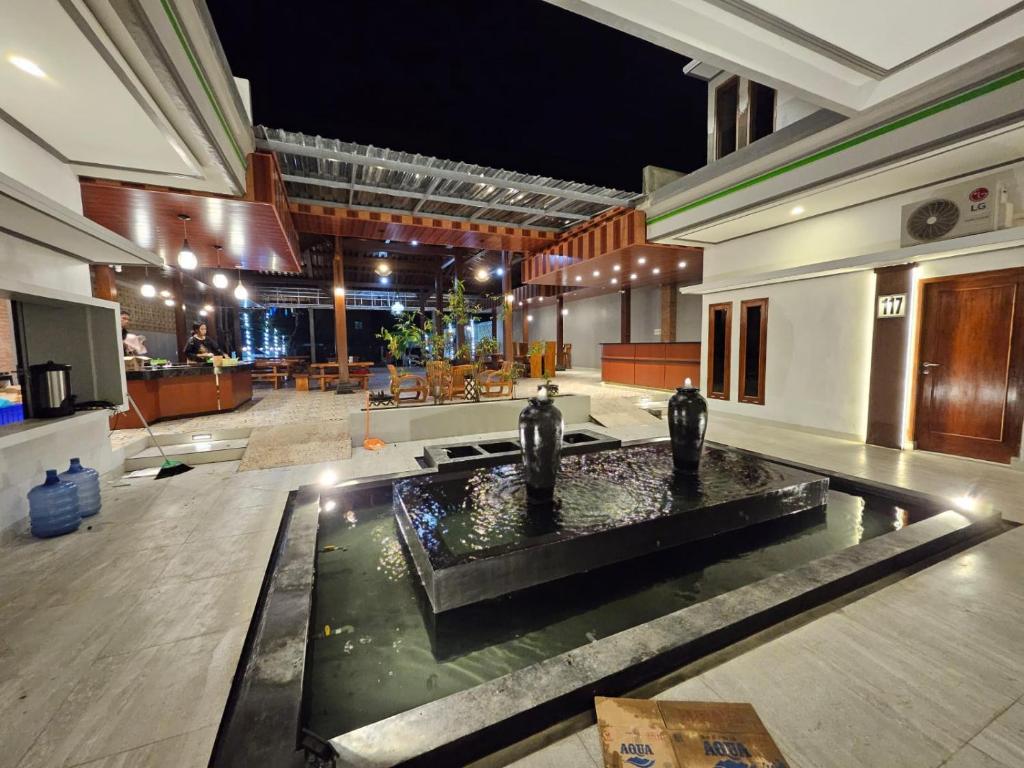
[[53, 507], [88, 482]]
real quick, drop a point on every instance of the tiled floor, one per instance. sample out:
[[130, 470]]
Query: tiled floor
[[926, 672], [118, 643]]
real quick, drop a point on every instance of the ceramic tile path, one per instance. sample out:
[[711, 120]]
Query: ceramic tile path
[[118, 643], [926, 672]]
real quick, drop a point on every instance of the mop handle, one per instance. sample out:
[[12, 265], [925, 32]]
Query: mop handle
[[142, 418], [366, 434]]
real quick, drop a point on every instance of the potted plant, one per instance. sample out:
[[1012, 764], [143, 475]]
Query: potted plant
[[487, 353], [462, 355], [536, 358]]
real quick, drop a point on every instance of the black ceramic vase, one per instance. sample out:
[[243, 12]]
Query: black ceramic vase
[[540, 435], [687, 423]]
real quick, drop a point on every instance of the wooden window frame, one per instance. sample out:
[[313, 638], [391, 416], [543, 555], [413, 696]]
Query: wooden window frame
[[727, 368], [718, 132], [762, 358], [750, 110]]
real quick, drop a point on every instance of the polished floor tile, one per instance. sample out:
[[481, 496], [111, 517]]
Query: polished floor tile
[[128, 701]]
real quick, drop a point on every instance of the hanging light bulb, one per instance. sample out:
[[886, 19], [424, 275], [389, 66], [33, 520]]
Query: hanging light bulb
[[186, 259], [240, 290], [220, 280], [147, 289]]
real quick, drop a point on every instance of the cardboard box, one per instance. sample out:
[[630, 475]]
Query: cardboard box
[[641, 733]]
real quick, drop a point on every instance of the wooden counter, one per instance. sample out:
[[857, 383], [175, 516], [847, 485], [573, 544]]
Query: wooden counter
[[176, 391], [655, 365]]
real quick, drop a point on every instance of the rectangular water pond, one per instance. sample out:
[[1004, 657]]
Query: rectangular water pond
[[473, 537], [377, 649]]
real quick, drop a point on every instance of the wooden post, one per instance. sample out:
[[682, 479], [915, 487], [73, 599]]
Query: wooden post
[[181, 330], [460, 328], [624, 310], [312, 336], [104, 282], [494, 323], [439, 300], [669, 296], [506, 291], [559, 335], [340, 320]]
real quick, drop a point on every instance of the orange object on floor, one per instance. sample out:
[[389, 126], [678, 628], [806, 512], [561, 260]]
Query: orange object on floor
[[370, 443]]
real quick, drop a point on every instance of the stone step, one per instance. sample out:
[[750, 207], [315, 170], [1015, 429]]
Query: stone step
[[198, 452]]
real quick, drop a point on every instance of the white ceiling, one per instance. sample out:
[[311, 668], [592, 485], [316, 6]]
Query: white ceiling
[[885, 32], [847, 56], [82, 108]]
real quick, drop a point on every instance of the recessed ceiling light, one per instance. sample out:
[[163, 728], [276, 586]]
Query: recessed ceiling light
[[579, 278], [615, 281], [641, 261], [796, 210], [415, 242], [26, 65], [632, 276], [597, 273], [656, 271], [529, 318], [616, 268], [383, 280], [682, 265], [482, 274]]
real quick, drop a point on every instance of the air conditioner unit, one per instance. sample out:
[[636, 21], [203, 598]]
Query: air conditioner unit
[[976, 206]]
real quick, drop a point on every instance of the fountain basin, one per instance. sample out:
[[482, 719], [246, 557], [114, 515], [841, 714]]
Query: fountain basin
[[472, 536]]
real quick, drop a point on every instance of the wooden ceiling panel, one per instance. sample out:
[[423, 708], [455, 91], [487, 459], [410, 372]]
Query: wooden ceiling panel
[[329, 220], [251, 233]]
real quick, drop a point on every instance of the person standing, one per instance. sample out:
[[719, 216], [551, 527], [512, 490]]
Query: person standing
[[132, 343], [201, 347]]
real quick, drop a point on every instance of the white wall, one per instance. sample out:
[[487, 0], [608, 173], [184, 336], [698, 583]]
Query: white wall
[[645, 314], [27, 162], [790, 108], [863, 229], [22, 466], [818, 360], [593, 321], [689, 311]]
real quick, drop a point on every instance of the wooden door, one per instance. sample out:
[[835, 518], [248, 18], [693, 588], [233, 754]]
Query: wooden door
[[970, 398]]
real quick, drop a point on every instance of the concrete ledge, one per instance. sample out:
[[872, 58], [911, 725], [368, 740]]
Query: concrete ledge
[[426, 422]]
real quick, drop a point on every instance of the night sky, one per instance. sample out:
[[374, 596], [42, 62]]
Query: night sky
[[514, 84]]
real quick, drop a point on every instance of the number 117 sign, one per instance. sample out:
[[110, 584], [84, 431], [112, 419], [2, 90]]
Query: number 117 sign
[[893, 305]]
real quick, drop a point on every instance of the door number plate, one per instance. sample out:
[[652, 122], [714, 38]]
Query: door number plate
[[893, 305]]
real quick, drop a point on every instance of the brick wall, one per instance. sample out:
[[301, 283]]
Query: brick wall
[[146, 314], [8, 360]]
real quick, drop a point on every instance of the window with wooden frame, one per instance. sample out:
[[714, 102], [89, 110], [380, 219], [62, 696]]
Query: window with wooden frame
[[760, 111], [753, 346], [719, 350], [727, 102]]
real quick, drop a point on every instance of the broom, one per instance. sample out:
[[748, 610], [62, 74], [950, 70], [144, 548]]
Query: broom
[[169, 468]]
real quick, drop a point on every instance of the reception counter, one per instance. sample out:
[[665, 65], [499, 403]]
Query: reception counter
[[655, 365], [184, 390]]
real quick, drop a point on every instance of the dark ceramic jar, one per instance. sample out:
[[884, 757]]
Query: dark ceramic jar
[[540, 435], [687, 423]]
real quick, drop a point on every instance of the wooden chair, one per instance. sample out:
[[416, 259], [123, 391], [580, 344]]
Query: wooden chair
[[405, 383], [496, 383], [565, 357]]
